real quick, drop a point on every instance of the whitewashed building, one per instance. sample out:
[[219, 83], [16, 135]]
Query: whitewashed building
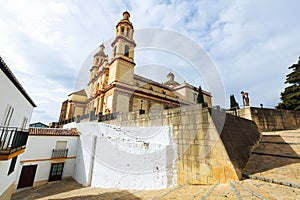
[[125, 157], [50, 156], [15, 112]]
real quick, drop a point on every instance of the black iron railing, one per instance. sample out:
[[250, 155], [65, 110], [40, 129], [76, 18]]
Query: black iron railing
[[59, 153], [12, 139], [89, 117]]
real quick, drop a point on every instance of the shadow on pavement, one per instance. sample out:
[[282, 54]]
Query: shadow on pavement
[[122, 195]]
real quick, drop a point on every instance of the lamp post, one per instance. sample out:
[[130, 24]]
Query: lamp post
[[141, 110], [142, 104]]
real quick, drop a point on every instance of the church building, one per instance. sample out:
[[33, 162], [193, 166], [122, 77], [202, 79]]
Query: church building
[[114, 87]]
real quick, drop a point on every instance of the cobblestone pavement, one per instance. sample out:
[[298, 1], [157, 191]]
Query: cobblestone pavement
[[274, 171], [247, 189]]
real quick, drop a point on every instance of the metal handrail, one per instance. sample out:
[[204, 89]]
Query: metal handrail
[[12, 139], [59, 153]]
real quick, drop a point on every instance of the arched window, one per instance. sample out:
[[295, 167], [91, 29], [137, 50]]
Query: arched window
[[122, 30], [97, 61], [115, 50], [126, 51]]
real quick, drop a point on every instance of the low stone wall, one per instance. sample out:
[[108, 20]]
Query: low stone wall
[[212, 146], [272, 119]]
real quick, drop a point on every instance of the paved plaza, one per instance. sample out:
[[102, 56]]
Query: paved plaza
[[247, 189], [273, 170]]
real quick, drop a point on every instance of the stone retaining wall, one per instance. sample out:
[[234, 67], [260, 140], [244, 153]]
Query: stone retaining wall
[[212, 146], [272, 119]]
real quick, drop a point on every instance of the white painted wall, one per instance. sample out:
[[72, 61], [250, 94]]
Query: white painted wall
[[82, 173], [125, 157], [10, 95], [40, 147], [6, 180], [13, 97]]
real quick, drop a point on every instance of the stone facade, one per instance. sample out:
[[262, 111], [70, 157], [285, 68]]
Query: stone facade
[[212, 146], [113, 86]]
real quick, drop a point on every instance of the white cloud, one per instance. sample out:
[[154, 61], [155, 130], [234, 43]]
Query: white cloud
[[45, 43]]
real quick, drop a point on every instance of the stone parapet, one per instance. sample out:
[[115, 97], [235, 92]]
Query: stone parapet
[[271, 119]]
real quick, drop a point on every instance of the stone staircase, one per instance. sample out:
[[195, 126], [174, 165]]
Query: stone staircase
[[276, 159]]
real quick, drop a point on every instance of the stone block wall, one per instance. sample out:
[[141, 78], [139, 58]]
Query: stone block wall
[[212, 146], [272, 119]]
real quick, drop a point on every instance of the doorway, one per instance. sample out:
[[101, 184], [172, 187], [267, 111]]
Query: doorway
[[27, 176], [56, 171]]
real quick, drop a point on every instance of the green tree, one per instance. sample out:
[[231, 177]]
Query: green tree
[[200, 98], [233, 103], [290, 97]]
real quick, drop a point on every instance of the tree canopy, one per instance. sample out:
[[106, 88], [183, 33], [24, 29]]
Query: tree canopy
[[290, 97], [200, 98]]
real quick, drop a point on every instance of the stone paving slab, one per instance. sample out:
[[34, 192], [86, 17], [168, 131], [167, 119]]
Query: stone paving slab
[[70, 190], [276, 191], [277, 160], [279, 149]]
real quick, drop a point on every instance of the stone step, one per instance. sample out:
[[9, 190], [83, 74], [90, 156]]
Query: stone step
[[280, 139], [275, 190], [273, 167], [271, 180], [276, 145]]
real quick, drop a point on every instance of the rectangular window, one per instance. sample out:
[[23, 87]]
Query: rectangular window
[[56, 171], [12, 165], [61, 145]]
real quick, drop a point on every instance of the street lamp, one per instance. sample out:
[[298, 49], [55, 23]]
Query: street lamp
[[141, 110]]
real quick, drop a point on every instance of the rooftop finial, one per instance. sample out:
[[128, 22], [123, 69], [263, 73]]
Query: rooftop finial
[[126, 15]]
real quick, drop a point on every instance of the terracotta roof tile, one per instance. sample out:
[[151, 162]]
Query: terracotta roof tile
[[53, 132]]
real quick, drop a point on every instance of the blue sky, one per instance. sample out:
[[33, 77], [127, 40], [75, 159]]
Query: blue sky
[[252, 43]]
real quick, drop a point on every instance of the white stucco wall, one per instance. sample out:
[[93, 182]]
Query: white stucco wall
[[126, 158], [40, 147], [84, 158], [13, 97], [6, 180], [10, 95]]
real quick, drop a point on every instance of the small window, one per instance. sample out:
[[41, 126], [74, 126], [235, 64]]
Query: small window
[[61, 145], [12, 165], [126, 51], [127, 33], [115, 50], [122, 30]]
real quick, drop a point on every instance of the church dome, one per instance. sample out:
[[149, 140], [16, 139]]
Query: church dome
[[171, 82]]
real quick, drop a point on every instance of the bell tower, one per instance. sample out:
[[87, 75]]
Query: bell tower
[[122, 63]]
